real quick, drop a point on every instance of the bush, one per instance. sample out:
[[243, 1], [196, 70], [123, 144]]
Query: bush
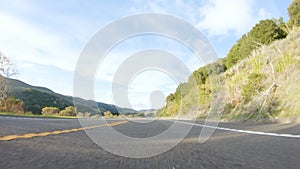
[[228, 108], [50, 111], [12, 105], [79, 114], [108, 114], [87, 114], [253, 86], [68, 111]]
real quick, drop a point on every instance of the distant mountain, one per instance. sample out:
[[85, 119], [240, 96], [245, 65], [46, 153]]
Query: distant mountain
[[147, 110], [35, 98], [126, 110]]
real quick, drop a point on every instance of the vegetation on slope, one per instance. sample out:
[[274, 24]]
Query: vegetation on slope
[[265, 32], [265, 85], [294, 13], [257, 80], [35, 98]]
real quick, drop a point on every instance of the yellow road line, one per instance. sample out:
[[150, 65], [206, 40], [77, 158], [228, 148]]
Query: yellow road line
[[30, 135]]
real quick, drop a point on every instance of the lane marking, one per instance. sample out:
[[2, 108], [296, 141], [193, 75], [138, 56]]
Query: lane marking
[[42, 134], [241, 131]]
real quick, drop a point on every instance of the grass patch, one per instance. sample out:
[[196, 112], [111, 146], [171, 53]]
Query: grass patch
[[202, 116], [40, 116], [282, 63]]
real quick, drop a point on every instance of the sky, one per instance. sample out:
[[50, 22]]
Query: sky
[[44, 39]]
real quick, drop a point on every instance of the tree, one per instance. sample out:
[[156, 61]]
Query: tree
[[199, 75], [12, 105], [238, 51], [79, 114], [263, 33], [283, 25], [7, 69], [87, 114], [50, 111], [294, 13], [170, 98], [68, 111], [108, 114], [216, 68]]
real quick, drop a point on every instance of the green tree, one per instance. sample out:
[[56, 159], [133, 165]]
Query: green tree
[[216, 68], [170, 98], [263, 33], [238, 52], [199, 75], [294, 13]]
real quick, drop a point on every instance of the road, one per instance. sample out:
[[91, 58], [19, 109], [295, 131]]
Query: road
[[74, 149]]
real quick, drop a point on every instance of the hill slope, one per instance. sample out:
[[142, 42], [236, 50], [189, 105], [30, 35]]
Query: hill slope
[[263, 85], [36, 98], [267, 82]]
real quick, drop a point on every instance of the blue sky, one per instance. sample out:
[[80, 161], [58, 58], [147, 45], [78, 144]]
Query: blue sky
[[44, 38]]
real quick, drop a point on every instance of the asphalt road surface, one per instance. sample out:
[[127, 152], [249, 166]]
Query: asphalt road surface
[[65, 148]]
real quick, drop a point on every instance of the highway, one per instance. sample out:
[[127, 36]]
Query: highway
[[63, 143]]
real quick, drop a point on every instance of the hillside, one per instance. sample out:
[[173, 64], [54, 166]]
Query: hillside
[[35, 98], [267, 82], [264, 85]]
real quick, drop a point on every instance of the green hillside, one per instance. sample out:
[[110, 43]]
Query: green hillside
[[259, 79], [35, 98], [262, 85], [266, 83]]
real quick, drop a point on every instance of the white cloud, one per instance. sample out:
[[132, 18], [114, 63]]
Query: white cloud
[[264, 14], [27, 42], [216, 17], [221, 17]]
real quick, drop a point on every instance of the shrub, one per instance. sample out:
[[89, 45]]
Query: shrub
[[13, 105], [108, 114], [68, 111], [228, 108], [253, 86], [87, 114], [50, 111]]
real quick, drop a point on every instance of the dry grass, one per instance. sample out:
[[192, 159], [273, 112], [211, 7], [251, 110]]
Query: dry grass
[[280, 62]]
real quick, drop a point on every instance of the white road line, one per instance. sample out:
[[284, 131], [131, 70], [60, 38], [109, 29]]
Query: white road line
[[241, 131]]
